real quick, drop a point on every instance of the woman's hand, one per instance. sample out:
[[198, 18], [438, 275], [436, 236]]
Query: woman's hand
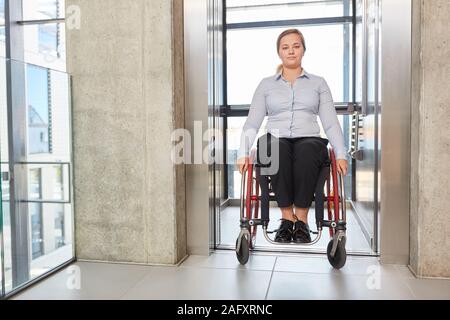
[[242, 164], [342, 166]]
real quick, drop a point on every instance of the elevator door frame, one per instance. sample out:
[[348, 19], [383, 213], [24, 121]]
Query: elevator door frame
[[395, 99]]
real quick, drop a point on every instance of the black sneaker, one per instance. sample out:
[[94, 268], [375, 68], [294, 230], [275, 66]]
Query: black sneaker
[[301, 233], [284, 232]]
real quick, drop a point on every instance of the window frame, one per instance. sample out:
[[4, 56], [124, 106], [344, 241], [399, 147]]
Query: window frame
[[39, 22], [14, 55], [342, 108]]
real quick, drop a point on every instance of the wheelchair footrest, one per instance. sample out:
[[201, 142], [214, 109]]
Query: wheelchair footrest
[[274, 231]]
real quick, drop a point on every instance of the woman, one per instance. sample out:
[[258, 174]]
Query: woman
[[292, 99]]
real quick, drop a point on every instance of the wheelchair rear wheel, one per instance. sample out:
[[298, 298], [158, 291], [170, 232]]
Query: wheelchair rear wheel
[[337, 215], [252, 201]]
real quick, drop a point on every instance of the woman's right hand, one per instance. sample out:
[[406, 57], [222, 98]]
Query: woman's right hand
[[242, 164]]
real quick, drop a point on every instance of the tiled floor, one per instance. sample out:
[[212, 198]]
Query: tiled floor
[[229, 230], [220, 276]]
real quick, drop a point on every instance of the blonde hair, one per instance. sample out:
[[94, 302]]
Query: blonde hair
[[282, 35]]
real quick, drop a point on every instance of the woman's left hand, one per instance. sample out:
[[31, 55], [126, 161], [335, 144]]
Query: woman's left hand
[[342, 166]]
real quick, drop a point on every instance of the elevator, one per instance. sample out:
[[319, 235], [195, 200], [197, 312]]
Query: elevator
[[376, 60]]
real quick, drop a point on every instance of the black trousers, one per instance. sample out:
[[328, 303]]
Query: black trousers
[[300, 162]]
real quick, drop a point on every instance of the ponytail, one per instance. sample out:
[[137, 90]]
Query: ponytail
[[279, 68]]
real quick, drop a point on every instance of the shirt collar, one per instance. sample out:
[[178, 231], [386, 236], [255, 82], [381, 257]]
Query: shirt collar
[[304, 73]]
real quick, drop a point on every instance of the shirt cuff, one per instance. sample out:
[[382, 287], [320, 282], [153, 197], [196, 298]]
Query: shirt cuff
[[341, 156], [242, 153]]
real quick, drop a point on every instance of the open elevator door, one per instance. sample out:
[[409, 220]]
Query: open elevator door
[[216, 119], [204, 97], [365, 146], [348, 28]]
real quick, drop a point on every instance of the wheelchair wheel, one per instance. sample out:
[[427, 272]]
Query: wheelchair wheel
[[330, 206], [340, 256], [334, 194], [244, 251]]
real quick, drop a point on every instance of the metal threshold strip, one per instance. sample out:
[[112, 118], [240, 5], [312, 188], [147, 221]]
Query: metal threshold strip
[[292, 249]]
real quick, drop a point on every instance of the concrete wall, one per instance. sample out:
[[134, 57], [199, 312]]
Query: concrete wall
[[430, 140], [128, 96]]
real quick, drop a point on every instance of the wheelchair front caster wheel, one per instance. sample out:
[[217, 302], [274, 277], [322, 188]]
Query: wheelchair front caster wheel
[[243, 252], [340, 256]]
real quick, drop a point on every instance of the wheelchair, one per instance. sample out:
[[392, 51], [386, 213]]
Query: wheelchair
[[253, 182]]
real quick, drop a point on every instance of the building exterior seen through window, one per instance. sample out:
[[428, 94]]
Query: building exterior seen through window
[[45, 42], [38, 224], [38, 110]]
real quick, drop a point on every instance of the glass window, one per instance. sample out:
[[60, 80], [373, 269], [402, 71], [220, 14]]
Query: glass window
[[239, 11], [47, 182], [59, 226], [44, 44], [252, 56], [2, 11], [43, 9], [58, 186], [359, 53], [45, 237], [38, 110], [48, 39], [47, 220], [48, 8], [35, 184], [234, 130], [37, 243], [35, 211], [2, 29]]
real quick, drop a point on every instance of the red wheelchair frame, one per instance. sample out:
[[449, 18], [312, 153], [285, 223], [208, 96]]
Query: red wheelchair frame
[[252, 201]]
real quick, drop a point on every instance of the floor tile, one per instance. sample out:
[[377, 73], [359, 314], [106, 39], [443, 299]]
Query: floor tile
[[296, 276], [427, 289], [309, 286], [353, 266], [202, 284], [97, 281], [229, 261]]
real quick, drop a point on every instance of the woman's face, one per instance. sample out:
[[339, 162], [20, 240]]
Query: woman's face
[[291, 51]]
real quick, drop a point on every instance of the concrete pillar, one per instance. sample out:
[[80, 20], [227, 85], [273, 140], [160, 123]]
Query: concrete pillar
[[430, 140], [126, 62]]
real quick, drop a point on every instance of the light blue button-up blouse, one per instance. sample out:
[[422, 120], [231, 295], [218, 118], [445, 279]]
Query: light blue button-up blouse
[[292, 111]]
